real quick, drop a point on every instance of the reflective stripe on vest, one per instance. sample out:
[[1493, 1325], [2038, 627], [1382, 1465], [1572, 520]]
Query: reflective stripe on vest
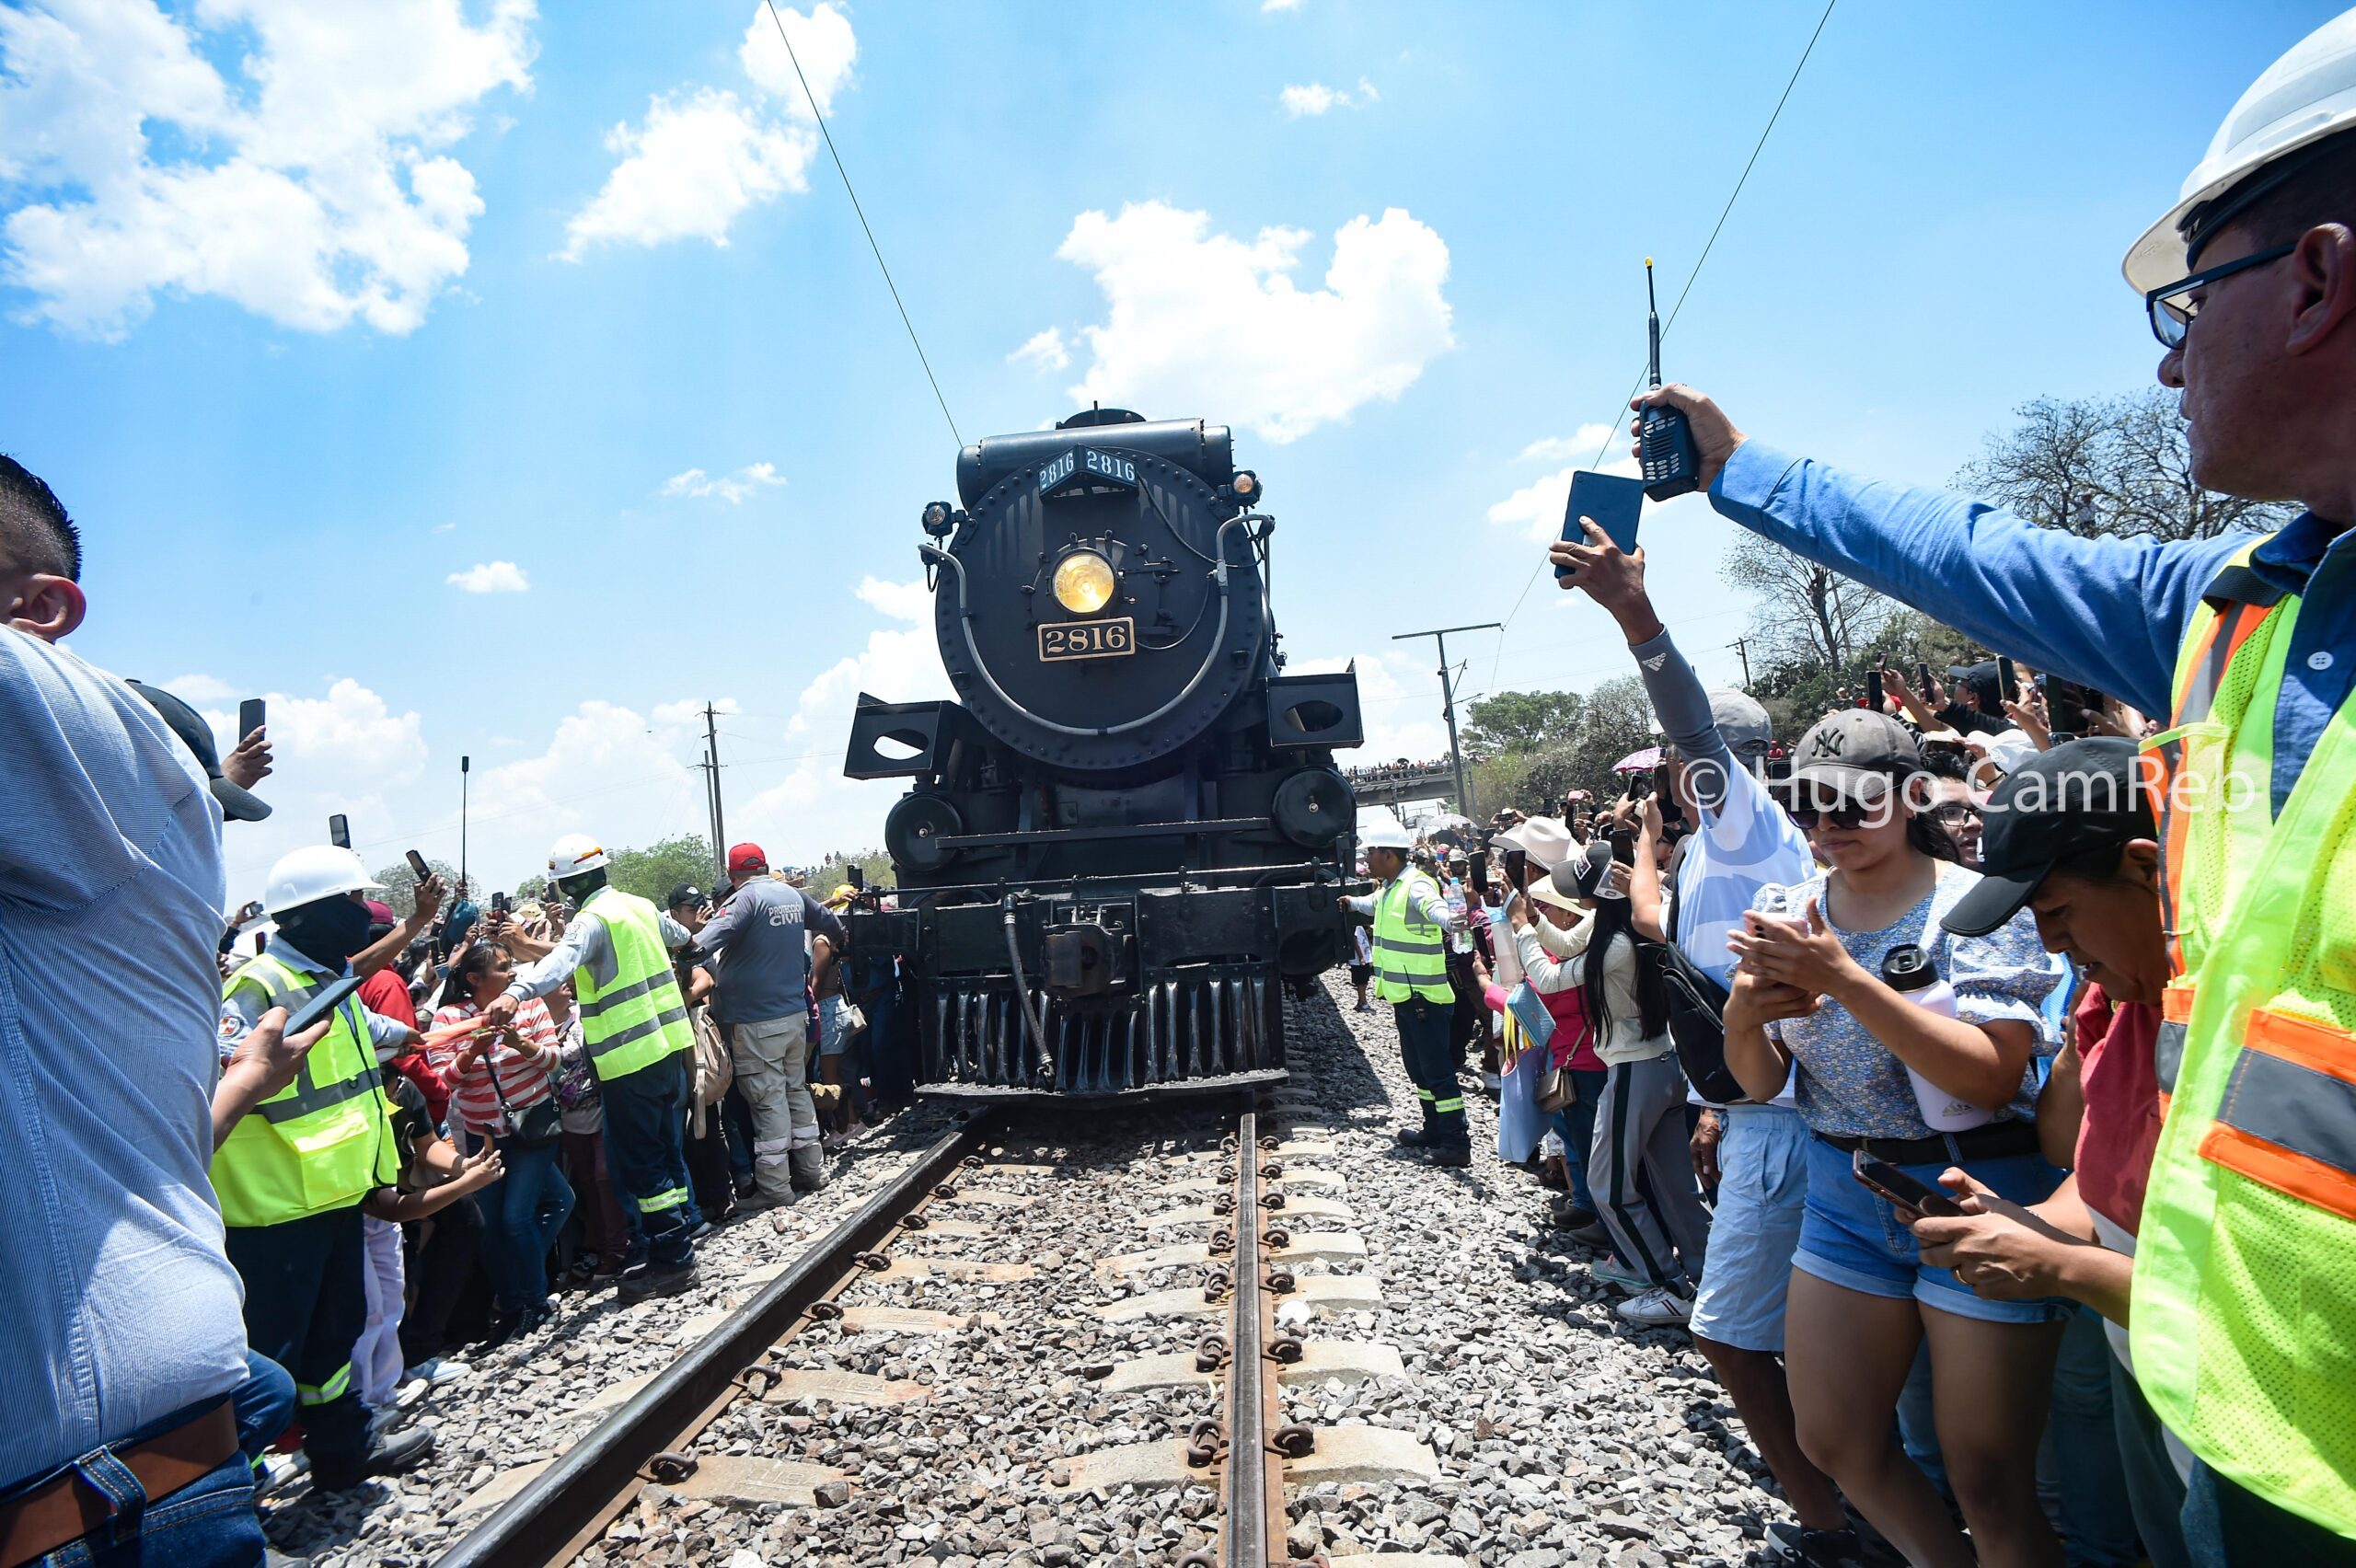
[[1409, 953], [2245, 1274], [638, 1018], [323, 1142]]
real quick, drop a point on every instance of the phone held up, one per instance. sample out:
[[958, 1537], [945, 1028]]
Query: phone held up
[[1873, 690], [339, 832], [1615, 504], [251, 715], [1901, 1187], [418, 866]]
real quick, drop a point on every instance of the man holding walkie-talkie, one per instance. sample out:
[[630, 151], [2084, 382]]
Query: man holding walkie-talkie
[[2244, 1301]]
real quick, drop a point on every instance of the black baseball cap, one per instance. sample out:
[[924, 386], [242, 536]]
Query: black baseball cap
[[2080, 797], [686, 892], [236, 804]]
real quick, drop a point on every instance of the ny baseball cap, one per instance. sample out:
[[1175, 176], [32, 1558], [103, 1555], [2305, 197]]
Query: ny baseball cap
[[1857, 752], [686, 892], [236, 803], [747, 857], [2080, 797]]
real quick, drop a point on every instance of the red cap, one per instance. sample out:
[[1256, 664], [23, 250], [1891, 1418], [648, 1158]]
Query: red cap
[[381, 914], [745, 858]]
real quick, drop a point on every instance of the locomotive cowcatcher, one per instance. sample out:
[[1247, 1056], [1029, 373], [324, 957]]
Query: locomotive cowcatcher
[[1128, 834]]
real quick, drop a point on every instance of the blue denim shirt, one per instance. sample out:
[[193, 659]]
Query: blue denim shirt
[[2109, 613], [117, 1304]]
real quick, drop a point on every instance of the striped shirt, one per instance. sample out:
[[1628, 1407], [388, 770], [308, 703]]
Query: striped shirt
[[524, 1080]]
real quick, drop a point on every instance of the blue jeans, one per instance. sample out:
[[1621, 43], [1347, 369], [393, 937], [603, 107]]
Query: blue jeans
[[2088, 1501], [1574, 1124], [2153, 1485], [210, 1523], [2226, 1526], [646, 1130], [521, 1215], [264, 1403]]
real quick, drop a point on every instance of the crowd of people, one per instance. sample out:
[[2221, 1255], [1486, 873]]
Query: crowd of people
[[1977, 1088], [1391, 772]]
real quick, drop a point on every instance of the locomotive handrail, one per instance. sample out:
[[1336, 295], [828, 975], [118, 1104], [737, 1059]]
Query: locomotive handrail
[[1219, 640]]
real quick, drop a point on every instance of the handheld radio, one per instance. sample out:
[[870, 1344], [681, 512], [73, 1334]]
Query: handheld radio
[[1664, 436]]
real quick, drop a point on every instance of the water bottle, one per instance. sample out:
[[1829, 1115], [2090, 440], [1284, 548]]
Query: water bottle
[[1913, 975]]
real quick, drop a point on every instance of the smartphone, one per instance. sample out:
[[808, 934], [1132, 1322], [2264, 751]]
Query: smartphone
[[499, 902], [2008, 686], [249, 717], [1615, 504], [1873, 691], [857, 876], [330, 997], [1516, 869], [1623, 846], [418, 866], [1479, 868], [1899, 1188], [1923, 676], [339, 832]]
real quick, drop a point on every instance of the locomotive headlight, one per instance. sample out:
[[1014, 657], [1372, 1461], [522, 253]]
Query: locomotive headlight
[[1084, 583]]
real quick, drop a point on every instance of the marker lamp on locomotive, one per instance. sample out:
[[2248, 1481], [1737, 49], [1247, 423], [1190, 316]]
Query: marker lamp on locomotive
[[1084, 583], [1246, 487]]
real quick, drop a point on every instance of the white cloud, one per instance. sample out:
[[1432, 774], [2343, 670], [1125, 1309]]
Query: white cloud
[[702, 157], [909, 601], [695, 485], [1204, 321], [1279, 5], [1042, 351], [688, 171], [199, 690], [491, 577], [1316, 98], [1537, 507], [822, 41], [689, 711], [444, 528], [315, 191]]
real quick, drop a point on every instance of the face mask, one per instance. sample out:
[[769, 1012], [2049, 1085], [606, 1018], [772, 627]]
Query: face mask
[[329, 931]]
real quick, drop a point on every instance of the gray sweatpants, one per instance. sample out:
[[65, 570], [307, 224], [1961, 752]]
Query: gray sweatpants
[[1640, 1122], [772, 1060]]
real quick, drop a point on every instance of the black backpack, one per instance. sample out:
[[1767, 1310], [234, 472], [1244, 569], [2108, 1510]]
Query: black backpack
[[1697, 1006]]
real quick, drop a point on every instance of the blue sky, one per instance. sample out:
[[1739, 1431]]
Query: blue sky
[[318, 316]]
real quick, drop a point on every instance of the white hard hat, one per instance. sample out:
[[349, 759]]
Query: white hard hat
[[573, 854], [313, 873], [2307, 94], [1387, 836]]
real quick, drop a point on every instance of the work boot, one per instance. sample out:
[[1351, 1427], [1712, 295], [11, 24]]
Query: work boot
[[1457, 1154], [1414, 1137], [639, 1283], [389, 1453], [809, 1165]]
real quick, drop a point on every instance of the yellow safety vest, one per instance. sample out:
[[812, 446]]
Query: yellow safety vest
[[1409, 953], [637, 1018], [323, 1142], [2243, 1328]]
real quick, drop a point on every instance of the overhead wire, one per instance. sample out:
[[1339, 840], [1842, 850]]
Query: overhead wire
[[1612, 424], [819, 115]]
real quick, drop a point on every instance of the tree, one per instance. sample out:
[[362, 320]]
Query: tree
[[1614, 719], [653, 872], [2108, 466], [1521, 721], [1803, 613], [400, 884], [835, 871]]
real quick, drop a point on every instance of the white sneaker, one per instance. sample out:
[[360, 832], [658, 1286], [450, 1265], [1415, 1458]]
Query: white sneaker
[[1658, 1307], [280, 1472], [435, 1371], [409, 1392], [1610, 1271]]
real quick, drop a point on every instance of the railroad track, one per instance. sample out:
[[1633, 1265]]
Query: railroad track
[[779, 1348]]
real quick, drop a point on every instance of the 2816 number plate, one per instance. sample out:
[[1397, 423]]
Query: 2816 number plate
[[1089, 639]]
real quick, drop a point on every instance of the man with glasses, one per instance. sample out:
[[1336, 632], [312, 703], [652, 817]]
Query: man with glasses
[[2244, 1303]]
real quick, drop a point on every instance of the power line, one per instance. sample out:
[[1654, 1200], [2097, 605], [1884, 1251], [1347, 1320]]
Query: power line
[[815, 113], [1612, 424]]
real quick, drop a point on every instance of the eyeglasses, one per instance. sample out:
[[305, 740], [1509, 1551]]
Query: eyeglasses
[[2172, 313], [1956, 813]]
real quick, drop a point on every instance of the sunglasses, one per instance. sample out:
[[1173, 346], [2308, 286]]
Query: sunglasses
[[2172, 311], [1840, 811]]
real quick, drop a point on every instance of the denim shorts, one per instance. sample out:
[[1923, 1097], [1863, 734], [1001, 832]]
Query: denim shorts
[[1762, 1189], [1851, 1236]]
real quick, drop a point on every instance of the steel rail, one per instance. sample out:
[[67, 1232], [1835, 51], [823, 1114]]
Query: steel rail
[[1252, 1535], [567, 1506]]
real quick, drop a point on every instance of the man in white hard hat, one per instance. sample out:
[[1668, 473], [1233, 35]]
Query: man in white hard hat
[[294, 1165], [1412, 921], [2244, 1305], [634, 1022]]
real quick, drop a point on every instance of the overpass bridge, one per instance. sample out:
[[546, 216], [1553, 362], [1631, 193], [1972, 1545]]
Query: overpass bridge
[[1392, 789]]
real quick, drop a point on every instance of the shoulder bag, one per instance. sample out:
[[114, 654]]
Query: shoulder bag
[[1697, 1007], [538, 1124]]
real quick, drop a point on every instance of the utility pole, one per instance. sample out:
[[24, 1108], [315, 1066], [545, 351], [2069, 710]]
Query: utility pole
[[465, 767], [1448, 702], [719, 832], [1741, 646]]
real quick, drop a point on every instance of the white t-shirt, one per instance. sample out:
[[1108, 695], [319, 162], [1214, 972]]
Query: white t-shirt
[[1745, 845]]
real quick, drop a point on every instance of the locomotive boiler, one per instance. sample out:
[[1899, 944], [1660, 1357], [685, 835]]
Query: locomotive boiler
[[1127, 835]]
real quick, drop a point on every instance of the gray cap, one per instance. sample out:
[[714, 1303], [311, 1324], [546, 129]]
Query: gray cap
[[1857, 752], [1583, 874], [1742, 724]]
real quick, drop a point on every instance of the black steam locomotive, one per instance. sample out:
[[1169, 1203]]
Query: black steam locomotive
[[1129, 833]]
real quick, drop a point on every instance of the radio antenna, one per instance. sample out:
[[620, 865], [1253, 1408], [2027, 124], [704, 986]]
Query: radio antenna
[[1652, 322]]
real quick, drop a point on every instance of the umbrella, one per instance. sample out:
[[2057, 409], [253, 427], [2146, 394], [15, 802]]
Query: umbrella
[[1644, 761]]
